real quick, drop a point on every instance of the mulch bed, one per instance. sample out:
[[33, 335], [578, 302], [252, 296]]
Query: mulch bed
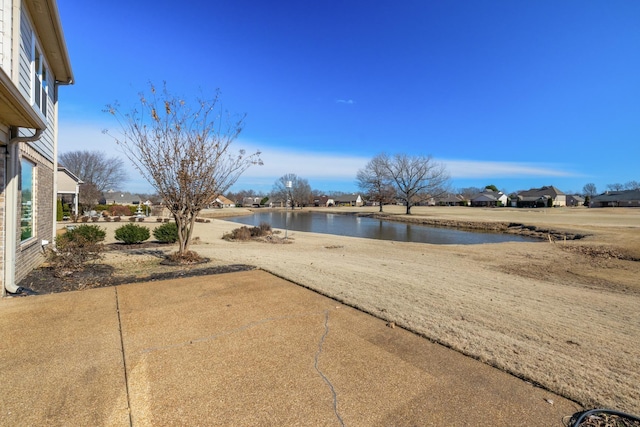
[[97, 275]]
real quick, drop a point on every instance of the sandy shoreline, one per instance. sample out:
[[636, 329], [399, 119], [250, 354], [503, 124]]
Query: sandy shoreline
[[564, 315]]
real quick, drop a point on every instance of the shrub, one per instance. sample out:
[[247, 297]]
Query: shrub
[[119, 210], [92, 233], [246, 233], [75, 247], [132, 233], [242, 233], [166, 233], [263, 229]]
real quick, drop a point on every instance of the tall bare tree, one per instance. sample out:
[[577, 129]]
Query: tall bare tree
[[589, 190], [375, 182], [184, 151], [615, 186], [299, 194], [416, 178], [96, 170]]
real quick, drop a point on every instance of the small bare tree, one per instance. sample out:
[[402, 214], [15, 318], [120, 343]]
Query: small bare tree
[[184, 152], [299, 193], [416, 178], [375, 182]]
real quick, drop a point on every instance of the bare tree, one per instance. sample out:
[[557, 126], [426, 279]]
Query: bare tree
[[416, 178], [96, 170], [589, 190], [615, 187], [184, 151], [299, 194], [375, 182], [468, 192], [632, 185]]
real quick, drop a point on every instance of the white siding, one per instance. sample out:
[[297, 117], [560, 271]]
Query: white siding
[[45, 145], [26, 49], [5, 37]]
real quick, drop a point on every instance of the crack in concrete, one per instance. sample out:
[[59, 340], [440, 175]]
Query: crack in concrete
[[124, 359], [322, 375]]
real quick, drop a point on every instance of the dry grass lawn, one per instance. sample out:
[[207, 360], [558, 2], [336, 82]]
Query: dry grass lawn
[[565, 315]]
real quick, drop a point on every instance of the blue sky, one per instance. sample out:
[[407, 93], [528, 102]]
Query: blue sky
[[516, 94]]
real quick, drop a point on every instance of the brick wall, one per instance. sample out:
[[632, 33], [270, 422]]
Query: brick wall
[[30, 254]]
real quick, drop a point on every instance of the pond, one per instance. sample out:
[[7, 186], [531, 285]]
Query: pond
[[371, 228]]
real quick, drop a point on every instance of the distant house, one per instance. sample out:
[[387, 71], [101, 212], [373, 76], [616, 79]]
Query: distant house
[[249, 202], [68, 188], [322, 201], [223, 202], [347, 200], [489, 198], [627, 198], [575, 200], [541, 197], [113, 197], [451, 199]]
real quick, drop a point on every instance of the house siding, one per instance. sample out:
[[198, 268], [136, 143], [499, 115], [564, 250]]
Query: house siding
[[4, 139], [46, 142], [24, 62], [4, 40], [17, 43]]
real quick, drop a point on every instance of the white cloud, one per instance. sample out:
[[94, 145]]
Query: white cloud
[[336, 169], [482, 169], [306, 164], [345, 101]]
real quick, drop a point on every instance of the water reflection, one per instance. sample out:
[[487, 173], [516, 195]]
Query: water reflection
[[356, 226]]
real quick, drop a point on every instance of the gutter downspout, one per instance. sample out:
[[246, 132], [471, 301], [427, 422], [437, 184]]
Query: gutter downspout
[[11, 206], [56, 85]]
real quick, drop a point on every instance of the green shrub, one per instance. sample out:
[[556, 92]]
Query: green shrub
[[166, 233], [92, 233], [132, 233]]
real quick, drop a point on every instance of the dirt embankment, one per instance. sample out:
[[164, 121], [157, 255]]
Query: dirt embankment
[[496, 227]]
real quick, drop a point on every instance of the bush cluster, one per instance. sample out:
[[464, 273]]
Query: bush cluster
[[119, 210], [166, 233], [246, 233], [75, 247], [132, 233]]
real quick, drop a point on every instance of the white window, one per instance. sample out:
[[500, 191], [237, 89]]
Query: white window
[[40, 75], [27, 200]]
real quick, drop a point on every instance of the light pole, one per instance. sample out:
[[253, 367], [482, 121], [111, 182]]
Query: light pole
[[288, 184]]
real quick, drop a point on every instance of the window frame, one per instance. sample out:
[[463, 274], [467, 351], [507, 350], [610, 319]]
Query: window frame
[[28, 203], [39, 76]]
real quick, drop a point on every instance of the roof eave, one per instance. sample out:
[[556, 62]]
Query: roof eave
[[46, 20], [14, 109]]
